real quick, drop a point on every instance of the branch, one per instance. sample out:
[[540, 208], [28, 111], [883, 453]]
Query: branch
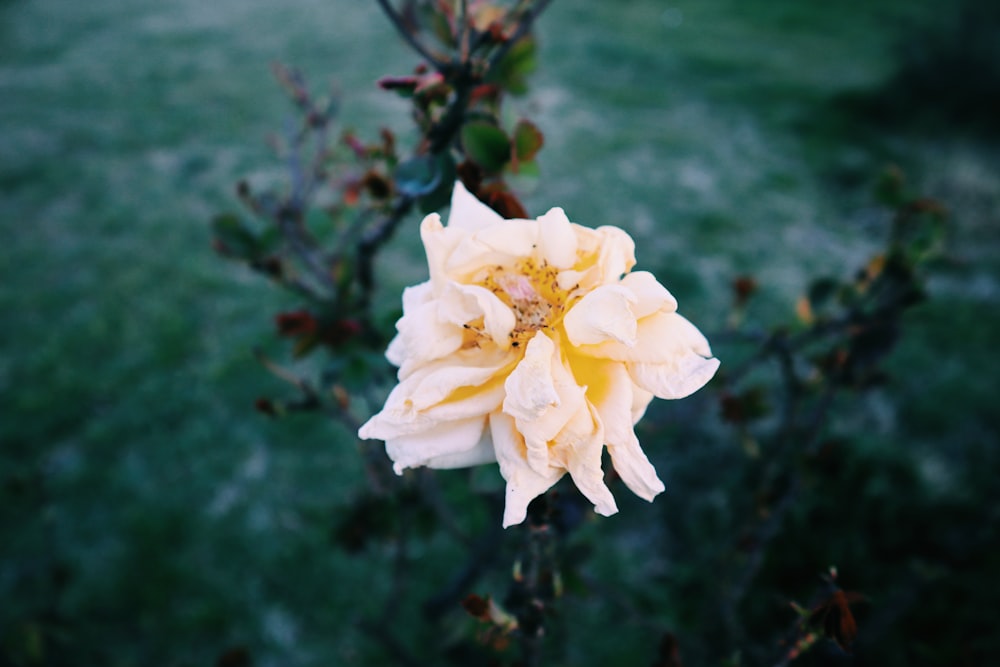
[[397, 21], [524, 25]]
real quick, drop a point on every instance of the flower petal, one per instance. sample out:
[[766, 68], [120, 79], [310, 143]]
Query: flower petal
[[481, 453], [467, 384], [616, 400], [602, 315], [468, 213], [677, 379], [445, 443], [523, 483], [660, 338], [542, 396], [498, 245], [557, 239], [650, 295], [579, 447], [617, 253], [460, 304]]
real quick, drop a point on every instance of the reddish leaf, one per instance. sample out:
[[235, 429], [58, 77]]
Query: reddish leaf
[[528, 139], [834, 615]]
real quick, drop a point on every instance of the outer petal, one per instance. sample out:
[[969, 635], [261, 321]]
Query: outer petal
[[468, 213], [660, 338], [679, 379], [423, 337], [601, 315], [439, 242], [461, 387], [448, 442], [616, 400], [523, 483], [580, 444], [481, 453]]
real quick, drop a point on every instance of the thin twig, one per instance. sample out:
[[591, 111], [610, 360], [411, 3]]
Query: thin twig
[[408, 35], [524, 25]]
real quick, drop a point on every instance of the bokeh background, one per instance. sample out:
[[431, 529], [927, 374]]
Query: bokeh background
[[149, 516]]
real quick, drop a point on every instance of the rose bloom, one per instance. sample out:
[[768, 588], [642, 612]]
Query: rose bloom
[[533, 344]]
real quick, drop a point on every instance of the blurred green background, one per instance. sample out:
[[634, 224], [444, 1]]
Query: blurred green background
[[149, 516]]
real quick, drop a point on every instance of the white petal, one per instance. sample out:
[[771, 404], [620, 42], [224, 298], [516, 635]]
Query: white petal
[[439, 242], [424, 337], [523, 483], [498, 245], [601, 315], [650, 295], [580, 444], [615, 410], [660, 338], [557, 239], [460, 304], [542, 396], [677, 379], [446, 441], [465, 385], [641, 399], [468, 213], [530, 389], [617, 253], [478, 455]]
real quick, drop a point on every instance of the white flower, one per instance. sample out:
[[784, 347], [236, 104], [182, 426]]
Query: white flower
[[533, 345]]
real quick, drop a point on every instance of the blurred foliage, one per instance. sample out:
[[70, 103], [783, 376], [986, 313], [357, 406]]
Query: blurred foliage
[[148, 516]]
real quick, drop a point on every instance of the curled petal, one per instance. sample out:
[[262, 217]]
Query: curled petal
[[557, 239], [602, 315], [524, 483], [660, 338], [677, 379], [460, 304], [441, 391], [617, 254], [541, 396], [616, 412], [580, 445], [422, 338], [650, 295]]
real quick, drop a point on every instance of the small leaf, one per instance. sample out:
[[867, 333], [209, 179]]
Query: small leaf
[[417, 176], [512, 71], [486, 145], [528, 140]]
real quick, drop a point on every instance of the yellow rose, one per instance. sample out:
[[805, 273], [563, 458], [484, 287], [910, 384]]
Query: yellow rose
[[533, 345]]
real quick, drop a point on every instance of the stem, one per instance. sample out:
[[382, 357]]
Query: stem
[[408, 35]]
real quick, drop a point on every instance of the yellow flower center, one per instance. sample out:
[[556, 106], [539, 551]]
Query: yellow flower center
[[531, 289]]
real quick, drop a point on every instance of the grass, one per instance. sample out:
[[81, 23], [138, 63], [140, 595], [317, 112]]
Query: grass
[[149, 516]]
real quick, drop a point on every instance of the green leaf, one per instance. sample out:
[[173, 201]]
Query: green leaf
[[512, 71], [486, 145], [528, 139], [418, 176]]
